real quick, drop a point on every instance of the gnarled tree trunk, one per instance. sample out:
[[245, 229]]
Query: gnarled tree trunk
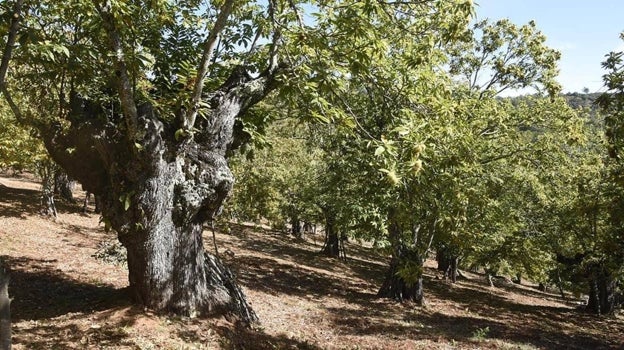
[[158, 190], [404, 279], [96, 200]]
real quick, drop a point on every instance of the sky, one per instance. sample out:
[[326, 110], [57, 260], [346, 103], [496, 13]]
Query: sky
[[583, 31]]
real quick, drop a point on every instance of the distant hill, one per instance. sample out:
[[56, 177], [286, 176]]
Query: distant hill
[[582, 100]]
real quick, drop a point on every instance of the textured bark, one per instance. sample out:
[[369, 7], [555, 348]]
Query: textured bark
[[5, 310], [157, 191]]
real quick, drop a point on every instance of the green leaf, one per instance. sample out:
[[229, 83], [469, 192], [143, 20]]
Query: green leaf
[[126, 203], [179, 134]]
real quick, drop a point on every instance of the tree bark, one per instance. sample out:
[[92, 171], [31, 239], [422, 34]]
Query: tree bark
[[602, 290], [448, 263], [295, 227], [157, 191], [64, 186], [405, 261], [331, 247], [397, 287], [5, 310], [96, 201], [46, 171]]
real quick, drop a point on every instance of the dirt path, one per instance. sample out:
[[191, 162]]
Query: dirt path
[[64, 298]]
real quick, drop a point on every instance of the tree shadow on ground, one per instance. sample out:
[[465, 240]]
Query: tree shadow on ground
[[71, 336], [21, 202], [467, 329], [483, 314], [305, 254], [18, 203], [491, 315], [241, 338], [273, 277], [41, 291]]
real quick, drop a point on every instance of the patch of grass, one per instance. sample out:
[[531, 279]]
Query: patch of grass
[[481, 334]]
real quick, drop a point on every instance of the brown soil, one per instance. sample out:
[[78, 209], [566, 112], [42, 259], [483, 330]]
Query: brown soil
[[64, 298]]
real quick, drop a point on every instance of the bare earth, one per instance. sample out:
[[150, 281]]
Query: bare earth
[[64, 298]]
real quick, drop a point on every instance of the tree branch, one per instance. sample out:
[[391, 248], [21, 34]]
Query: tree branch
[[6, 57], [126, 94], [8, 49], [209, 45]]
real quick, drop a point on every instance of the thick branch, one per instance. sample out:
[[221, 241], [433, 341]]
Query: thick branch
[[6, 57], [8, 49], [209, 45], [14, 108], [126, 94]]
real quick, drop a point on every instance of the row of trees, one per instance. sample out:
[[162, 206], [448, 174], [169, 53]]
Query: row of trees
[[517, 186], [401, 138]]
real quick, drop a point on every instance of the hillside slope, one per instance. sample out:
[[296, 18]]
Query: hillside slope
[[65, 298]]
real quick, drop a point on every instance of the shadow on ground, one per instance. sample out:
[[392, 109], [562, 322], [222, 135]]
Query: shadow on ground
[[486, 314], [241, 338], [40, 291], [20, 203]]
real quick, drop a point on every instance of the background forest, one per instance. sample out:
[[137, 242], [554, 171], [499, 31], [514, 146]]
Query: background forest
[[386, 124]]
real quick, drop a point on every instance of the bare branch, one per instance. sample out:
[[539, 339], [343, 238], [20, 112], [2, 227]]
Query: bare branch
[[209, 45]]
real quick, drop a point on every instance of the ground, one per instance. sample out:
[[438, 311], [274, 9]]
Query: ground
[[66, 298]]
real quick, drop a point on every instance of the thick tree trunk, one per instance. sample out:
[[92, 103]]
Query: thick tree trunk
[[5, 310], [602, 290], [397, 287], [403, 280], [448, 263], [161, 229], [158, 188], [64, 186], [46, 172], [331, 247]]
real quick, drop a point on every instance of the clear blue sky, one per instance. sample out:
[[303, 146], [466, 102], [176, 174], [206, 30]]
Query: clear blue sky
[[583, 30]]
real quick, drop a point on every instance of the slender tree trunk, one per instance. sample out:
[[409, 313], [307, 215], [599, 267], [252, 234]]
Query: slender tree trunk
[[5, 310], [560, 285]]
